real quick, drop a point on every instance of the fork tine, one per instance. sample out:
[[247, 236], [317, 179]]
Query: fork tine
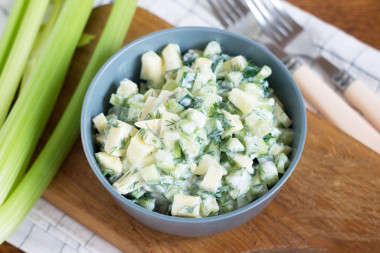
[[232, 10], [243, 9], [284, 15], [217, 12], [263, 22], [272, 20]]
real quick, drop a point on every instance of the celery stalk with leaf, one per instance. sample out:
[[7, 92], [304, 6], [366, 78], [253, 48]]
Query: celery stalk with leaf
[[49, 160]]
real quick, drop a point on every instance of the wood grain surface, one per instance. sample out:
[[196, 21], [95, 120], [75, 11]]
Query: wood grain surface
[[360, 18], [331, 203]]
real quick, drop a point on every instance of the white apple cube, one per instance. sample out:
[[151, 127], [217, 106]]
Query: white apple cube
[[117, 138], [107, 161], [211, 181], [244, 101], [171, 57], [100, 122], [151, 68], [186, 206]]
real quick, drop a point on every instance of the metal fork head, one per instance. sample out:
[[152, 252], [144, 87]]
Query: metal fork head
[[274, 21], [229, 12]]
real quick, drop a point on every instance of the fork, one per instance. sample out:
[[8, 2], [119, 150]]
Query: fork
[[282, 29], [319, 93]]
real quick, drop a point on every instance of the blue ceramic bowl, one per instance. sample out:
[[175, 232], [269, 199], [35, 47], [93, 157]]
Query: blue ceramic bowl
[[126, 63]]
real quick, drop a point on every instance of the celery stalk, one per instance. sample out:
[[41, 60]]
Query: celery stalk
[[18, 56], [25, 123], [41, 39], [44, 168], [11, 30]]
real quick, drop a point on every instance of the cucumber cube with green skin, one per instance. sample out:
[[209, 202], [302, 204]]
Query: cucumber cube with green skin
[[217, 65], [264, 72], [253, 89], [268, 173], [164, 160], [281, 162], [187, 126], [196, 116], [235, 77], [186, 101], [147, 202], [277, 148], [174, 107], [286, 136], [212, 48], [138, 193], [172, 190], [117, 100], [187, 80], [150, 174], [213, 128], [281, 116], [226, 203], [209, 205], [258, 190], [233, 145], [170, 85], [177, 154], [258, 125], [240, 181], [189, 58], [255, 146]]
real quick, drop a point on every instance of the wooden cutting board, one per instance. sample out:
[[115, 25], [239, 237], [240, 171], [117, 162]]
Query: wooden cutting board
[[330, 203]]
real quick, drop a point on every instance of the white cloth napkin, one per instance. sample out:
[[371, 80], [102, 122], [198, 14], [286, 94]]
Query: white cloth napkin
[[47, 229]]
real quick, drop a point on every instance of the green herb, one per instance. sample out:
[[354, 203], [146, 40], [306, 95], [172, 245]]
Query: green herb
[[113, 149], [198, 102], [171, 122]]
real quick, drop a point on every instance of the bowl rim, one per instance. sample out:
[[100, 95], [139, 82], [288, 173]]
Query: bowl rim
[[95, 168]]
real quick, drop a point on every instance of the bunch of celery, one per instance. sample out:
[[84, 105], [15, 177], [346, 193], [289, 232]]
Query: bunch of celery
[[31, 110]]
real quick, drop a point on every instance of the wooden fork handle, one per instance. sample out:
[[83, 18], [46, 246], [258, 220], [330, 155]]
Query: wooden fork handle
[[334, 108], [365, 101]]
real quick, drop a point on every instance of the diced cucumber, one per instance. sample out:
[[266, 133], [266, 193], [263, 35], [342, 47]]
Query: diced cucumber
[[209, 206], [240, 181], [177, 151], [253, 89], [164, 160], [226, 203], [212, 48], [235, 77], [286, 136], [237, 63], [264, 73], [282, 162], [233, 145], [174, 107], [279, 148], [258, 125], [258, 190], [187, 126], [281, 116], [127, 89], [172, 190], [150, 174], [186, 101], [117, 100], [189, 58], [255, 146], [147, 202], [170, 85], [187, 80], [268, 173], [213, 128]]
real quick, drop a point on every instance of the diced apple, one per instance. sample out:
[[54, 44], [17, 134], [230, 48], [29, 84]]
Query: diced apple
[[138, 150], [244, 101], [206, 162], [127, 88], [117, 138], [100, 122], [235, 123], [110, 162], [186, 206], [211, 181], [171, 57], [151, 68]]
